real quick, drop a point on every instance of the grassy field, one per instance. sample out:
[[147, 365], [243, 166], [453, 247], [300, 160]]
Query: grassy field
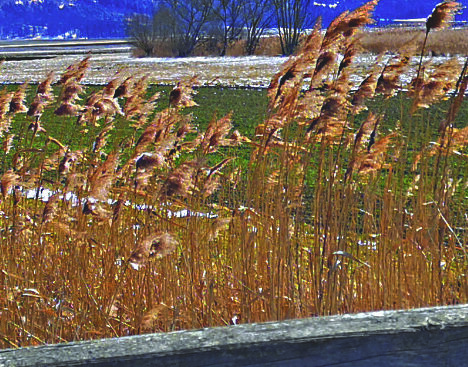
[[128, 209]]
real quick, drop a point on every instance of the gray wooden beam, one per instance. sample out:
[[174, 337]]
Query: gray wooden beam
[[422, 337]]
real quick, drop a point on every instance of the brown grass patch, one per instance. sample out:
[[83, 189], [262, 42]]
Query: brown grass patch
[[443, 42]]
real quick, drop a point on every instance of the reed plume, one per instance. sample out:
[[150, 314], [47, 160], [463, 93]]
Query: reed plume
[[50, 209], [181, 181], [156, 245], [8, 180], [68, 95], [373, 159], [7, 143], [341, 30], [442, 15], [5, 119], [17, 101], [181, 96], [45, 87], [295, 68], [75, 71], [435, 87], [365, 91], [456, 103], [216, 133], [389, 80], [100, 180]]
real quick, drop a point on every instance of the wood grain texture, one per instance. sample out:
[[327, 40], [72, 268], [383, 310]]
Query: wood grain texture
[[422, 337]]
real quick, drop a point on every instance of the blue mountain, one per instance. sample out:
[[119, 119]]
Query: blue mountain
[[105, 18]]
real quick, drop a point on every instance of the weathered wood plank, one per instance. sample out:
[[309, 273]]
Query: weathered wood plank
[[422, 337]]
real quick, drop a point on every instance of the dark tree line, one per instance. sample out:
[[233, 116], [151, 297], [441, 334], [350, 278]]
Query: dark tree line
[[183, 25]]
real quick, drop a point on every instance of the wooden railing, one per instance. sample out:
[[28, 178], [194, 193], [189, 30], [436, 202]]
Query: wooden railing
[[422, 337]]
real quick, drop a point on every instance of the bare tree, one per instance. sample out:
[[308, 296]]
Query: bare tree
[[291, 17], [257, 15], [191, 18], [228, 13], [140, 29]]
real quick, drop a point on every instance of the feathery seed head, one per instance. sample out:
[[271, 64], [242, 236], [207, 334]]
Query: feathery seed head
[[442, 15]]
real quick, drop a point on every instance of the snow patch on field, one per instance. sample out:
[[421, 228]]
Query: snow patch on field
[[242, 71], [228, 71]]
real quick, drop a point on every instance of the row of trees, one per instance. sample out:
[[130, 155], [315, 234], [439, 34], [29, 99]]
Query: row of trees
[[182, 25]]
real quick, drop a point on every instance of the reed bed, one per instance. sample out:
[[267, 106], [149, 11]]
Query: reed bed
[[445, 42], [337, 210]]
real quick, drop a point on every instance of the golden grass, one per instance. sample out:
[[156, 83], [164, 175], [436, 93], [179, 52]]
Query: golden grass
[[335, 213]]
